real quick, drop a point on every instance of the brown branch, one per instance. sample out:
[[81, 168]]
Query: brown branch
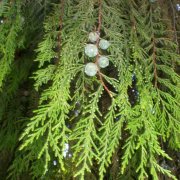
[[99, 24], [174, 25], [154, 63], [97, 44], [100, 17], [104, 85], [60, 29], [99, 27]]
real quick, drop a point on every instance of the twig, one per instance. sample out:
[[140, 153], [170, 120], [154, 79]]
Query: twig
[[60, 29], [174, 25], [97, 44], [100, 16], [102, 82]]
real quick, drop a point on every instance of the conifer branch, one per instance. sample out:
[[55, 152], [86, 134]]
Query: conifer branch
[[146, 117], [8, 37], [85, 135], [110, 136], [72, 109]]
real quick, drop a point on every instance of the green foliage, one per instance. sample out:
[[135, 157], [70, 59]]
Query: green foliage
[[42, 43], [8, 39], [85, 135]]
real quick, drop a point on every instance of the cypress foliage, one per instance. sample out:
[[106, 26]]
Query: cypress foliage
[[59, 123]]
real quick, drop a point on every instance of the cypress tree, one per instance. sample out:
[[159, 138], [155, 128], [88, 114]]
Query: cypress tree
[[89, 89]]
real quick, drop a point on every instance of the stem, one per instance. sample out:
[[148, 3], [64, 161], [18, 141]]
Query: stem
[[102, 82], [174, 26], [60, 29], [100, 16], [97, 44], [99, 26]]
